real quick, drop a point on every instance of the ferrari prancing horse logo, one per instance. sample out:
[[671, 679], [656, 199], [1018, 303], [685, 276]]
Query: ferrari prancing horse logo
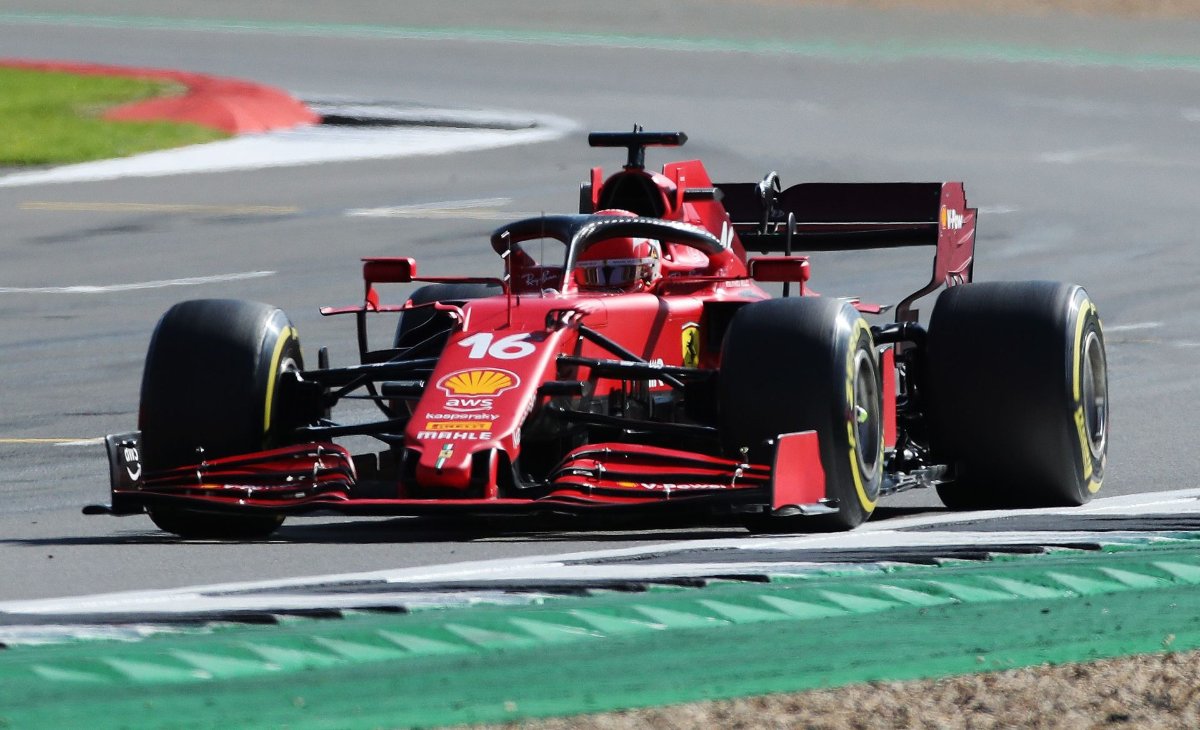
[[691, 345]]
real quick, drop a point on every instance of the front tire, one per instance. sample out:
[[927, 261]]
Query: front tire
[[804, 364], [209, 390], [426, 330], [1018, 394]]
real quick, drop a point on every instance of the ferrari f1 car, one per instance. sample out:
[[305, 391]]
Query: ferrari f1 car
[[640, 366]]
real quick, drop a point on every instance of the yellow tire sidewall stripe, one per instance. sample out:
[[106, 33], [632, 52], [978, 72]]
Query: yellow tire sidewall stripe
[[1086, 310], [868, 504], [276, 357]]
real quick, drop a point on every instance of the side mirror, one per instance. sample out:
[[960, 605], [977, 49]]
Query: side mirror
[[389, 270], [780, 268]]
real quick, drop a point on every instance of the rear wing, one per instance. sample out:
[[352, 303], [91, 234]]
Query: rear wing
[[858, 216]]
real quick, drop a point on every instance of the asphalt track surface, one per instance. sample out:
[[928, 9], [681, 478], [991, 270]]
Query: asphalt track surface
[[1076, 138]]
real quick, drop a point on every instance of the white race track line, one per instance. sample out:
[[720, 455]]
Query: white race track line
[[1132, 327], [135, 286], [247, 596], [301, 146], [477, 209]]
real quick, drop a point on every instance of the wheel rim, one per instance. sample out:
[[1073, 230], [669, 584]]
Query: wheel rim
[[288, 365], [1095, 394], [868, 432]]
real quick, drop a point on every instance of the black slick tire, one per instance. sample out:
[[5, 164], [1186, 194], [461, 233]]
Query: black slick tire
[[209, 390], [806, 364], [1018, 394]]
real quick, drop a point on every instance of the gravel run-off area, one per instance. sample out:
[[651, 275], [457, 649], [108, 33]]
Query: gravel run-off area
[[1149, 691]]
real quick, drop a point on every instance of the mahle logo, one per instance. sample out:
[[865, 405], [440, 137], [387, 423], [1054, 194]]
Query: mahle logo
[[480, 381]]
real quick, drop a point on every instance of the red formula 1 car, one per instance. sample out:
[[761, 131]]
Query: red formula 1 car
[[628, 360]]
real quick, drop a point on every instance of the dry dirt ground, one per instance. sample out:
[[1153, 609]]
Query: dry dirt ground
[[1158, 691], [1153, 691]]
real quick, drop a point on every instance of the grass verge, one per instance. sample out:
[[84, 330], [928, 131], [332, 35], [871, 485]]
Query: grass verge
[[55, 118]]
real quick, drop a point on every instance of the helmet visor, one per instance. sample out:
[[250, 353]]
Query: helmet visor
[[614, 272]]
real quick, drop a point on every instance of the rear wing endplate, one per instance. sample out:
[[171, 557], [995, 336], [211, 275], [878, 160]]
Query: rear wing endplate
[[858, 216]]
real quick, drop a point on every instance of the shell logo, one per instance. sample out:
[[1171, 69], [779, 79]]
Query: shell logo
[[482, 381]]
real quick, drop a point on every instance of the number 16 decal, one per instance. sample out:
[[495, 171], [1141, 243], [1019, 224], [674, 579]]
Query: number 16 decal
[[509, 347]]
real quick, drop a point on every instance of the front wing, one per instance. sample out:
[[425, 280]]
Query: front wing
[[321, 477]]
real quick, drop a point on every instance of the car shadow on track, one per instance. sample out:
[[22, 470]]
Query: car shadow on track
[[532, 529], [409, 530]]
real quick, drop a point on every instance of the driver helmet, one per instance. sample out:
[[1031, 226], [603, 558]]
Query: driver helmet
[[629, 264]]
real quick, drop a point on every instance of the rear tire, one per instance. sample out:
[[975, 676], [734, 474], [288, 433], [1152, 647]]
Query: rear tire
[[1018, 394], [806, 364], [209, 390]]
